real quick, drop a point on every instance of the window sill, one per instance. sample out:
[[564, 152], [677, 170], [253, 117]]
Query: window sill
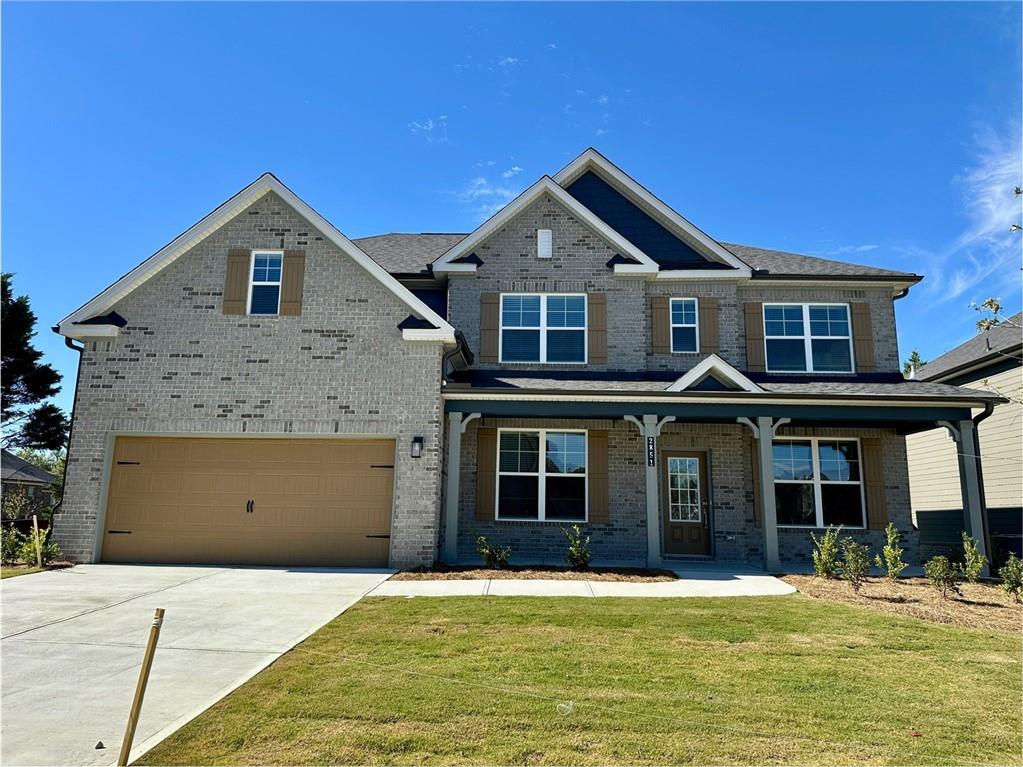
[[815, 527], [541, 521]]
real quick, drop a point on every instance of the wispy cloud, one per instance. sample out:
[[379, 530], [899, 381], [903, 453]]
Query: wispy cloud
[[508, 61], [514, 170], [484, 198], [985, 249], [434, 130], [849, 250]]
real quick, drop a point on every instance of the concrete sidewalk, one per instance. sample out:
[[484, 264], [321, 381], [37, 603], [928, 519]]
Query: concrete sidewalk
[[697, 582]]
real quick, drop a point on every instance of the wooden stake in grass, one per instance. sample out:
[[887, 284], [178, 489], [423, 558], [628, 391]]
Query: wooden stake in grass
[[140, 688], [35, 536]]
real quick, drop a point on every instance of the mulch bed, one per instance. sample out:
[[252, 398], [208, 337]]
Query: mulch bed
[[446, 573], [981, 605]]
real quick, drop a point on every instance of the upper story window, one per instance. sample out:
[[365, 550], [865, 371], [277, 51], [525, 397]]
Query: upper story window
[[808, 338], [684, 332], [817, 482], [541, 327], [541, 475], [265, 284]]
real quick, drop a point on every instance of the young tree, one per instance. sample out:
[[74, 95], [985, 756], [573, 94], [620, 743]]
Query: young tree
[[28, 420], [912, 364]]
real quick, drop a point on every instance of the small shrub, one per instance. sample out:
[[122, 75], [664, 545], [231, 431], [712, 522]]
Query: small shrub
[[825, 554], [1012, 577], [943, 575], [855, 562], [973, 560], [890, 558], [578, 548], [11, 544], [27, 549], [495, 557]]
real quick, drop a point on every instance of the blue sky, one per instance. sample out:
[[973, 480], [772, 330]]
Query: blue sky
[[882, 133]]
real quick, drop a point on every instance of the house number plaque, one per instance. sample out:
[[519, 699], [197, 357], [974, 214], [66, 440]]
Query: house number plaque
[[650, 451]]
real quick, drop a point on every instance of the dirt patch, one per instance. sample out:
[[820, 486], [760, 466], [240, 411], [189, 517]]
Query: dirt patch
[[981, 605], [444, 573]]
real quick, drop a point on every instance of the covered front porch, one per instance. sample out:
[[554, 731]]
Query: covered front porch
[[686, 479]]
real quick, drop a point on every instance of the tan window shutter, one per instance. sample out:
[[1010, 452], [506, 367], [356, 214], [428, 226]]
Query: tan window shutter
[[755, 361], [863, 338], [756, 482], [709, 314], [292, 282], [599, 497], [596, 328], [660, 325], [486, 473], [873, 483], [236, 283], [490, 325]]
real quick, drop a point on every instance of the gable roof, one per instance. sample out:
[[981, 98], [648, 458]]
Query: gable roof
[[546, 185], [408, 253], [210, 223], [15, 469], [718, 369], [779, 264], [988, 346], [593, 161]]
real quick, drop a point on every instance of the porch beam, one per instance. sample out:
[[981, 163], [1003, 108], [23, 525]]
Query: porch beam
[[964, 433], [456, 426]]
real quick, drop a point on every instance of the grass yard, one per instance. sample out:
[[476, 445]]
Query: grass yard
[[505, 680], [12, 571]]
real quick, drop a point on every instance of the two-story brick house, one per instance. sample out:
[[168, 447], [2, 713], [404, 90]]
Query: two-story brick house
[[264, 390]]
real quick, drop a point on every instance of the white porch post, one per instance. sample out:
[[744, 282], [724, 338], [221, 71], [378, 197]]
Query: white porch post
[[964, 434], [650, 429], [763, 431], [456, 425]]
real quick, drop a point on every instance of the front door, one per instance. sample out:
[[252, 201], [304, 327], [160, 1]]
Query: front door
[[685, 506]]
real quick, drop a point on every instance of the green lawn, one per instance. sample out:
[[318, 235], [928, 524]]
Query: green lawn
[[13, 572], [505, 680]]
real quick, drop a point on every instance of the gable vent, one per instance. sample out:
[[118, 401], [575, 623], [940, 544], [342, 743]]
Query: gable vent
[[544, 243]]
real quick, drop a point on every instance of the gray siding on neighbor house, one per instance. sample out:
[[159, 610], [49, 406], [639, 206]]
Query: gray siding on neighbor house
[[181, 366]]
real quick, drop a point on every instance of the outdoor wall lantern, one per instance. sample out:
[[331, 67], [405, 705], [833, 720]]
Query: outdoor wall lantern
[[417, 447]]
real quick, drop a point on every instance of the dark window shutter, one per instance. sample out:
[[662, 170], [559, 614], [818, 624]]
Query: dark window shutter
[[236, 283], [490, 325], [596, 328], [863, 338], [755, 361], [709, 314], [486, 473], [660, 325], [872, 462], [756, 482], [292, 282], [599, 497]]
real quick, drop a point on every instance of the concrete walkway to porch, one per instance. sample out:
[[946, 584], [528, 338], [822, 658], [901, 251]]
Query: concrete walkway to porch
[[708, 581]]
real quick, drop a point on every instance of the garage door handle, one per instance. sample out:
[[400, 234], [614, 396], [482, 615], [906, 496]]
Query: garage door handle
[[378, 536]]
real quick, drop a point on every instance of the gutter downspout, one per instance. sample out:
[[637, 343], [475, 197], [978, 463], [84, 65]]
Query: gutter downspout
[[989, 408], [70, 344]]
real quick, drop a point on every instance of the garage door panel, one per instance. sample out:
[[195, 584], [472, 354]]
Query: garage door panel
[[315, 502]]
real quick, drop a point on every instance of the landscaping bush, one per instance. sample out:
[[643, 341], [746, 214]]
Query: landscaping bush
[[943, 575], [825, 554], [495, 557], [27, 549], [855, 562], [973, 560], [890, 558], [578, 548], [1012, 577], [11, 543]]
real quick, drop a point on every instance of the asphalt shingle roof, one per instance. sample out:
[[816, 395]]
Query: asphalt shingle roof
[[413, 253], [992, 343], [14, 469]]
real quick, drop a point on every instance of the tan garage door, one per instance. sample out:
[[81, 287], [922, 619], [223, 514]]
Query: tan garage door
[[311, 502]]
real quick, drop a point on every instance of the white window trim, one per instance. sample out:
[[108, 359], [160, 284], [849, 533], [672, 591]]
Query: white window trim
[[817, 482], [543, 330], [672, 324], [541, 473], [252, 281], [808, 337]]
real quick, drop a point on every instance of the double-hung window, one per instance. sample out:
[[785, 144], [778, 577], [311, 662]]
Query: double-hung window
[[540, 327], [265, 285], [808, 338], [817, 482], [685, 333], [541, 475]]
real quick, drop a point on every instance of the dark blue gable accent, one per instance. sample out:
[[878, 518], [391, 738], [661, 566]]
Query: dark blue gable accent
[[710, 383], [435, 298], [637, 227]]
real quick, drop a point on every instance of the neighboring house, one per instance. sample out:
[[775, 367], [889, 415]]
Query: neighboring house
[[20, 476], [264, 390], [992, 360]]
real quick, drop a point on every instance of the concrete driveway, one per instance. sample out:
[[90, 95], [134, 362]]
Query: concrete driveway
[[72, 643]]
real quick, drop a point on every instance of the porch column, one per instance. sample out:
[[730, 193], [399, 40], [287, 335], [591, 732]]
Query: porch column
[[763, 431], [650, 428], [456, 426], [965, 435]]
